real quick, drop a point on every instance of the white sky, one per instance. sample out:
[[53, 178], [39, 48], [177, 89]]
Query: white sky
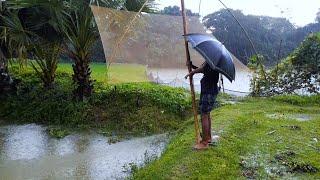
[[299, 12]]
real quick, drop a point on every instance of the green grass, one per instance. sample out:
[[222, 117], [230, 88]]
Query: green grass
[[250, 143], [136, 108], [118, 73]]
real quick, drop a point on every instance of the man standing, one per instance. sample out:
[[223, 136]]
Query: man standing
[[209, 92]]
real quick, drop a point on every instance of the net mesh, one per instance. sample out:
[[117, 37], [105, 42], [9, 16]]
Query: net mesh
[[156, 42], [148, 39]]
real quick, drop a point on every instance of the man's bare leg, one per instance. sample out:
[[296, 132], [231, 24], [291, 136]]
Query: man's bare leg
[[205, 135], [209, 131]]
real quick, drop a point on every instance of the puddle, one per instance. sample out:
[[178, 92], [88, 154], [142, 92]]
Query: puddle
[[27, 152], [297, 117]]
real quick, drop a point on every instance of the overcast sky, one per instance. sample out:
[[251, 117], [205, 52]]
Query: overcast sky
[[299, 12]]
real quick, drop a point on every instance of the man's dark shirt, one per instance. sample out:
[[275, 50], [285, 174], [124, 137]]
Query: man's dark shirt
[[209, 81]]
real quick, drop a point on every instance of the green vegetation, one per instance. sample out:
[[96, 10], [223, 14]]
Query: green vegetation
[[68, 25], [116, 73], [261, 138], [265, 32], [299, 72], [127, 108], [253, 144]]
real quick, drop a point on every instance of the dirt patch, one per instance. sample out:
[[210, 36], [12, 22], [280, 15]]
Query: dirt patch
[[287, 159], [250, 166], [292, 127], [281, 165]]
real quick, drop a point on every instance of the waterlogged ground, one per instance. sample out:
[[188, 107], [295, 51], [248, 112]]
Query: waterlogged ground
[[27, 152]]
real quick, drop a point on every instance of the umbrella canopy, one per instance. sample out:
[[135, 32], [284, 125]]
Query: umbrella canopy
[[214, 52]]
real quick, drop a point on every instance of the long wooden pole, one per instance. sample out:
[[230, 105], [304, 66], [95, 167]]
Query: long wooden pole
[[194, 108]]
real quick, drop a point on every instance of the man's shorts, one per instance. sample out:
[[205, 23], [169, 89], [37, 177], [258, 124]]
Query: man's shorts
[[206, 103]]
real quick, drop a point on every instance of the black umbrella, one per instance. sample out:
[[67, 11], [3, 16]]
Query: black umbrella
[[214, 52]]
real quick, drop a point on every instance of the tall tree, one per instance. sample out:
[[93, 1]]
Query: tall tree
[[171, 10], [318, 16], [135, 5], [3, 58], [81, 35], [14, 35], [176, 11], [46, 57], [265, 32]]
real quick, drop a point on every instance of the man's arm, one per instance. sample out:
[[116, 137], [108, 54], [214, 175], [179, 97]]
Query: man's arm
[[192, 66], [196, 71]]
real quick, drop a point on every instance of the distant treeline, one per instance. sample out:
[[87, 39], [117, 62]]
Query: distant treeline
[[176, 11], [265, 32]]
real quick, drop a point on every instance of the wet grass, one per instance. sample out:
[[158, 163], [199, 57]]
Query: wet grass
[[252, 145], [133, 109], [117, 73]]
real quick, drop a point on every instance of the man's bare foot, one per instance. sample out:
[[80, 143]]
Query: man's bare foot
[[201, 146]]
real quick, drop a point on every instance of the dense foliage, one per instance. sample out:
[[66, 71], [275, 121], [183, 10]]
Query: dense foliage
[[124, 108], [81, 35], [46, 59], [176, 11], [26, 24], [265, 32], [299, 73]]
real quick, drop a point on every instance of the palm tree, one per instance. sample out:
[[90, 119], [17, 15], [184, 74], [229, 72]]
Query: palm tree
[[46, 57], [14, 35], [135, 5], [81, 35], [25, 24]]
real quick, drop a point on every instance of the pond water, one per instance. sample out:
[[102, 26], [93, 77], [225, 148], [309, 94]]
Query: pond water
[[27, 152], [175, 78]]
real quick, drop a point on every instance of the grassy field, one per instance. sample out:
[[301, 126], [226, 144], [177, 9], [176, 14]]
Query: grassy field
[[259, 139], [118, 73]]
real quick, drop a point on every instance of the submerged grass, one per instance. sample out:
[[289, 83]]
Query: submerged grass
[[249, 146]]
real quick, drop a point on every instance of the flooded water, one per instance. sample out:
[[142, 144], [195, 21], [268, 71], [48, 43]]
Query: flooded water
[[175, 78], [27, 152], [297, 117]]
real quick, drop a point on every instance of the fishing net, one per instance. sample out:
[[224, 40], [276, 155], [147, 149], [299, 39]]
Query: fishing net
[[153, 41], [148, 39]]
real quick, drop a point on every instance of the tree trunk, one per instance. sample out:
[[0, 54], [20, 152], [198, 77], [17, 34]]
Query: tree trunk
[[3, 61], [82, 78]]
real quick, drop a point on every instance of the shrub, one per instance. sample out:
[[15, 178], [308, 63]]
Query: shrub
[[297, 74], [129, 108]]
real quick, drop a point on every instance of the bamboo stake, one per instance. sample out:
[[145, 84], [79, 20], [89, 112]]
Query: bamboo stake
[[194, 108]]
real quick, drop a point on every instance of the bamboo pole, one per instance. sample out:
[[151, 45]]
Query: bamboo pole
[[194, 108]]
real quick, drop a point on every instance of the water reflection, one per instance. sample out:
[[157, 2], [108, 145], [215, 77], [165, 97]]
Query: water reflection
[[26, 152]]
